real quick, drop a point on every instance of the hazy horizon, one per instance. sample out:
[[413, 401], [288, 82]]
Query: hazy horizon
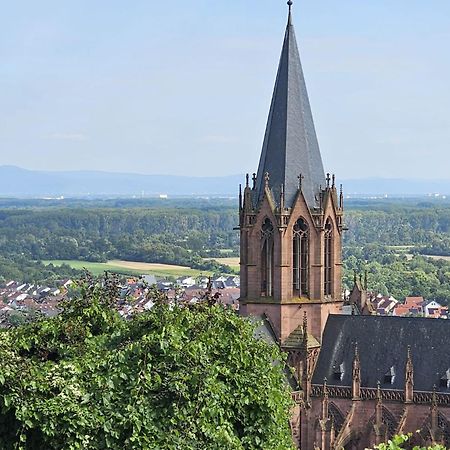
[[185, 87], [361, 177]]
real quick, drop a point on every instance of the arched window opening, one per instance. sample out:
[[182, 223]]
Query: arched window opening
[[328, 258], [390, 422], [337, 417], [300, 253], [267, 259]]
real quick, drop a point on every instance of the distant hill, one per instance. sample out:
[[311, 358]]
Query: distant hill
[[18, 182]]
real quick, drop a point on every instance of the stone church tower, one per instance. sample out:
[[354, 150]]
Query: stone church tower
[[291, 216], [360, 379]]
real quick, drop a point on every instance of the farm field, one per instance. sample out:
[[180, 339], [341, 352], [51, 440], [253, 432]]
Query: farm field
[[233, 262], [130, 268], [410, 256], [437, 257]]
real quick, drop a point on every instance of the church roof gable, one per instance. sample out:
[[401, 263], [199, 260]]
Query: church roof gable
[[383, 344]]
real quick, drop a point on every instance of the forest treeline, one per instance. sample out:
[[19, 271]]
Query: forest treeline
[[385, 238], [172, 236]]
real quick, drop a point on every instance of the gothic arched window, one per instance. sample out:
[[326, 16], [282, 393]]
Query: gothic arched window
[[300, 251], [267, 258], [337, 417], [328, 258]]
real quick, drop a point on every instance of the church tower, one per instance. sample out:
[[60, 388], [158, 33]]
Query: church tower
[[291, 215]]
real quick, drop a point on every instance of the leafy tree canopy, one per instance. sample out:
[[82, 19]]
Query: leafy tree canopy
[[398, 442], [172, 377]]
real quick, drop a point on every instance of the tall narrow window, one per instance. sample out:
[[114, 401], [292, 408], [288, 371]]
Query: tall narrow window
[[328, 258], [267, 259], [300, 258]]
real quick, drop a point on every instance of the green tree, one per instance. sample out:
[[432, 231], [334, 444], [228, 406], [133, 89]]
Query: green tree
[[396, 443], [173, 377]]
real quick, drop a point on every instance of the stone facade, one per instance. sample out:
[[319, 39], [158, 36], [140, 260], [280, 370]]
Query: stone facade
[[285, 307], [361, 379]]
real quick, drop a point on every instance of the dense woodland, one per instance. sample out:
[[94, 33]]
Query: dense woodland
[[388, 238]]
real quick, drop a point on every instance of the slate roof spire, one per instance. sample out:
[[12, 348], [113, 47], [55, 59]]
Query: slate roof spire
[[290, 147]]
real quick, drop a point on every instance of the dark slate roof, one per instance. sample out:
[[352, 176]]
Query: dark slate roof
[[290, 145], [383, 344]]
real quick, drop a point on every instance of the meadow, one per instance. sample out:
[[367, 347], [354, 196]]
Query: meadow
[[130, 268]]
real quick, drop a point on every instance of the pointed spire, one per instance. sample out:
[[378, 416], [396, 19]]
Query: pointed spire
[[289, 3], [356, 375], [409, 377], [290, 143], [240, 197], [305, 330], [325, 400], [300, 179], [379, 409], [434, 413], [434, 397]]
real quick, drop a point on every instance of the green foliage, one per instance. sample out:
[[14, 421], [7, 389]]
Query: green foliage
[[173, 377], [185, 231], [171, 236], [396, 443], [21, 268], [395, 274]]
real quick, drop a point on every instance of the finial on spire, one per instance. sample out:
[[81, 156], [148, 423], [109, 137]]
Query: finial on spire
[[240, 197], [289, 3], [305, 330], [254, 181], [246, 180], [282, 197], [300, 179]]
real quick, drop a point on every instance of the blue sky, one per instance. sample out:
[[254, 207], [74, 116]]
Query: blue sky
[[184, 87]]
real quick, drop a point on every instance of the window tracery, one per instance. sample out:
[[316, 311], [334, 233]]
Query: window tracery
[[328, 254], [267, 231], [300, 257]]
